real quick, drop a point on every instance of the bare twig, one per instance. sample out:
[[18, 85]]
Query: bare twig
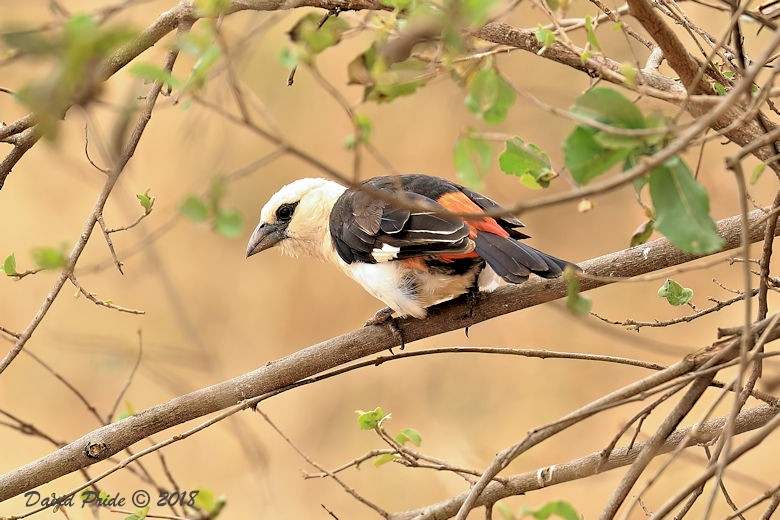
[[360, 498]]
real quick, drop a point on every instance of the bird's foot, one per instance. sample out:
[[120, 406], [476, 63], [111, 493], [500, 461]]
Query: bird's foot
[[385, 317], [472, 299]]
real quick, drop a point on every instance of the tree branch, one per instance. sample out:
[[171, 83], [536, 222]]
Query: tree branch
[[315, 359], [592, 464]]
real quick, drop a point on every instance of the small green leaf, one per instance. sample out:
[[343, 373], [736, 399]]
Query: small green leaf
[[49, 257], [585, 57], [140, 514], [409, 435], [9, 266], [288, 57], [476, 12], [544, 36], [578, 304], [629, 72], [720, 89], [489, 96], [152, 72], [228, 223], [362, 134], [682, 208], [399, 4], [314, 38], [472, 160], [146, 201], [128, 411], [591, 34], [757, 171], [213, 8], [586, 158], [505, 510], [384, 83], [642, 233], [384, 459], [205, 500], [558, 508], [527, 161], [675, 293], [372, 419], [194, 209]]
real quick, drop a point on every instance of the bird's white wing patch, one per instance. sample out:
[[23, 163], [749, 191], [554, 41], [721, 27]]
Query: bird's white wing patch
[[385, 253]]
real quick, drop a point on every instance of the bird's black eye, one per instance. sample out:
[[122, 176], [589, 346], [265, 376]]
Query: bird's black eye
[[285, 212]]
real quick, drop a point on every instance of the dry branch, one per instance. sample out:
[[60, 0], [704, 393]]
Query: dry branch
[[592, 464], [276, 375]]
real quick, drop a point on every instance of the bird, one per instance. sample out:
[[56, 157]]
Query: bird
[[403, 238]]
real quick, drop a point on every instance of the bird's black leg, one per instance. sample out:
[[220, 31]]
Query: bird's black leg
[[472, 298], [385, 317]]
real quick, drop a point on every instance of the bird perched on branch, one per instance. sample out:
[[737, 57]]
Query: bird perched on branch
[[403, 238]]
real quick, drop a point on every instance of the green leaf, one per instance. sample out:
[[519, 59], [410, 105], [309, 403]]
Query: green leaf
[[73, 77], [642, 233], [362, 124], [472, 160], [206, 61], [409, 435], [140, 514], [544, 36], [128, 411], [682, 209], [384, 459], [585, 56], [205, 500], [194, 209], [586, 158], [372, 419], [557, 508], [675, 293], [213, 8], [527, 161], [288, 57], [384, 83], [609, 107], [146, 201], [228, 223], [476, 12], [757, 171], [629, 72], [591, 34], [505, 510], [399, 4], [152, 72], [315, 39], [489, 96], [49, 257], [578, 304], [9, 266]]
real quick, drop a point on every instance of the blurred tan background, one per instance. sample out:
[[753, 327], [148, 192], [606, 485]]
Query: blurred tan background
[[211, 314]]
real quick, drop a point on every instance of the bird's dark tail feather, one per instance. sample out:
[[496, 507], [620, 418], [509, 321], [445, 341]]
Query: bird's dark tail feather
[[514, 261]]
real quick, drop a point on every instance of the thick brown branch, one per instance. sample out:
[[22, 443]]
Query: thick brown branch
[[112, 438], [674, 51]]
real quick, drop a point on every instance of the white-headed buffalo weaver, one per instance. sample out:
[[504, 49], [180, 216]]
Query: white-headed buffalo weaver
[[408, 258]]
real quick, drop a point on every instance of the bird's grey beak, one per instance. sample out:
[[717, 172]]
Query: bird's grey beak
[[265, 236]]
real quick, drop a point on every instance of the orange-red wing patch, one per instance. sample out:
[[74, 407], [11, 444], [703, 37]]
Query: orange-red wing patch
[[458, 202], [416, 262]]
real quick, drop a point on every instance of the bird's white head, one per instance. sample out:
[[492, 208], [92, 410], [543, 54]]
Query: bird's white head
[[296, 219]]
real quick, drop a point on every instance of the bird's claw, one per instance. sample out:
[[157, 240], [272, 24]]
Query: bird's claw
[[385, 317]]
